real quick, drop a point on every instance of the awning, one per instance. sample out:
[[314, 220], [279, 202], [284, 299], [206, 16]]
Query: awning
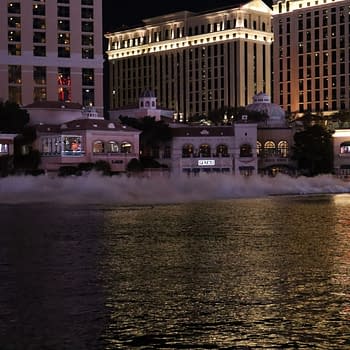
[[345, 166], [345, 143]]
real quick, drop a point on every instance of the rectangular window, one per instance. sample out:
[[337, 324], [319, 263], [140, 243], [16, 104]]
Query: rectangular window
[[38, 10], [14, 35], [87, 12], [88, 97], [64, 84], [39, 94], [14, 49], [63, 51], [72, 145], [39, 37], [39, 75], [88, 76], [87, 26], [14, 22], [87, 40], [63, 38], [87, 2], [14, 7], [39, 23], [63, 24], [87, 53], [15, 94], [15, 74], [39, 51], [4, 148], [63, 11], [62, 1]]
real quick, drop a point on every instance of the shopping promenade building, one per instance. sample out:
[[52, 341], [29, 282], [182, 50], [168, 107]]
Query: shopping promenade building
[[194, 62], [311, 55], [51, 51]]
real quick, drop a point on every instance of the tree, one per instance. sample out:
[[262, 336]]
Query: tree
[[13, 119], [153, 134], [313, 150], [103, 166], [233, 114], [134, 166]]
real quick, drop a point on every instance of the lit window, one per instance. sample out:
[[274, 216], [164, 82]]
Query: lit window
[[245, 150], [98, 147], [113, 147], [126, 147]]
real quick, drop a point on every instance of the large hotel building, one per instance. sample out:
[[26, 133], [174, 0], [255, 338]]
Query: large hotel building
[[194, 62], [311, 55], [51, 50]]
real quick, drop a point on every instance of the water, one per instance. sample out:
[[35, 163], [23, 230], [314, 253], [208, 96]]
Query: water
[[243, 273]]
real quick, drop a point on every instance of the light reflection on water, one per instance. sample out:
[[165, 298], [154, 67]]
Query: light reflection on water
[[262, 273]]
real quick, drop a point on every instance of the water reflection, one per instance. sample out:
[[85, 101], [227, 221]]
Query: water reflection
[[261, 273], [243, 273]]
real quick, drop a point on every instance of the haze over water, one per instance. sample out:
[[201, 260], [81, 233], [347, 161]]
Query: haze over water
[[94, 188], [193, 263]]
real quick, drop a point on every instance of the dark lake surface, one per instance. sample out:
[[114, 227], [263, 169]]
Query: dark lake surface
[[248, 273]]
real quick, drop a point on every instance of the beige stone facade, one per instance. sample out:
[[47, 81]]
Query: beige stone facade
[[194, 62]]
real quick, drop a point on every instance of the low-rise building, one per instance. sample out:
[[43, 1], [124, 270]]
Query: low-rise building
[[7, 144], [87, 139], [275, 137], [211, 149], [341, 153]]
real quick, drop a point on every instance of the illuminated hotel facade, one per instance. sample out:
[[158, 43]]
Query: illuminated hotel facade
[[51, 51], [311, 55], [194, 62]]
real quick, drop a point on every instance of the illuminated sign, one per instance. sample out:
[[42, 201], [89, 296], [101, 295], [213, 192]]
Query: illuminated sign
[[204, 162]]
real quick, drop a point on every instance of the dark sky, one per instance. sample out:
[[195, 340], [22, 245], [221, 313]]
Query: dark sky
[[131, 12]]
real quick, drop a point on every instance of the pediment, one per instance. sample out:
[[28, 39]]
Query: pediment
[[257, 5]]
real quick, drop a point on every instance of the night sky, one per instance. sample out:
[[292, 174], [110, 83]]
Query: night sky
[[123, 12]]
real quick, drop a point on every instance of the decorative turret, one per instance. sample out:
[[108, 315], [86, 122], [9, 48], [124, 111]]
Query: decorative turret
[[147, 100]]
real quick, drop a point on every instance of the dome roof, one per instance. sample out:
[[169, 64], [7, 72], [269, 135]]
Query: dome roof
[[147, 93], [262, 103]]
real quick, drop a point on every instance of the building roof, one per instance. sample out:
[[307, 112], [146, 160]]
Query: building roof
[[54, 105], [204, 131], [262, 103], [86, 124], [147, 93]]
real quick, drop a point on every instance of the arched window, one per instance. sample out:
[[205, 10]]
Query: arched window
[[187, 150], [222, 150], [98, 147], [258, 148], [245, 150], [283, 149], [269, 148], [112, 147], [204, 150], [126, 147]]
